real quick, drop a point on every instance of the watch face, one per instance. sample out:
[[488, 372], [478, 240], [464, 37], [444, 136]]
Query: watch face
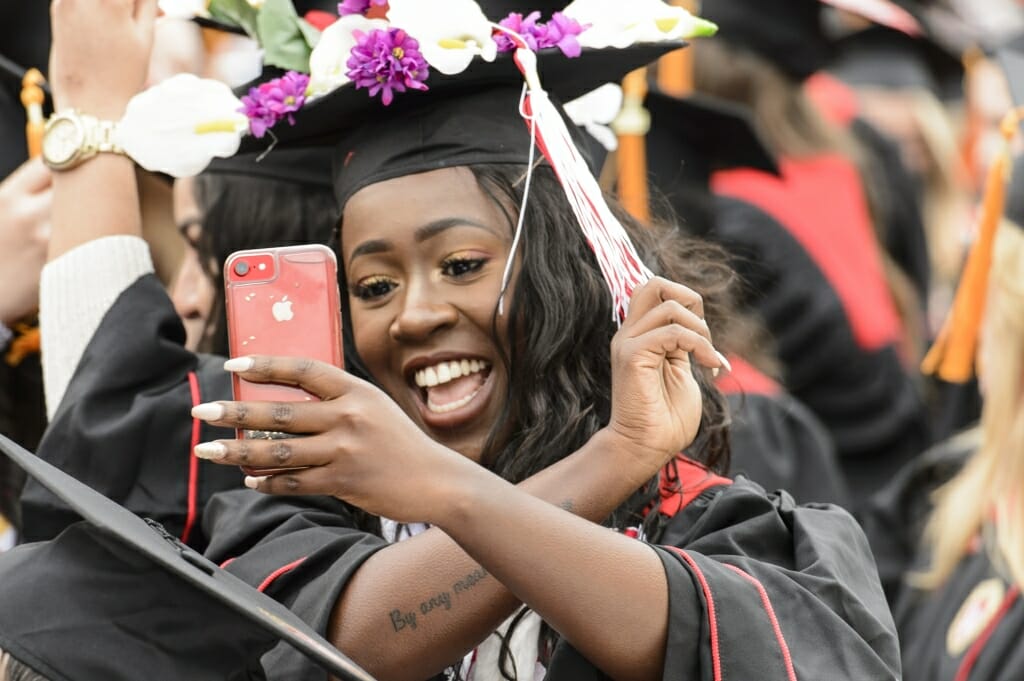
[[62, 140]]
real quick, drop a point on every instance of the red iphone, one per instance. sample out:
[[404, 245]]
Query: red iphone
[[284, 302]]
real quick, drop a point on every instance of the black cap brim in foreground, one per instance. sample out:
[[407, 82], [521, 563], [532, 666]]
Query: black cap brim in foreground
[[134, 543]]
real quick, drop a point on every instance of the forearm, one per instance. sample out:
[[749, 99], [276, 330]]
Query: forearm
[[98, 198], [378, 631], [583, 579]]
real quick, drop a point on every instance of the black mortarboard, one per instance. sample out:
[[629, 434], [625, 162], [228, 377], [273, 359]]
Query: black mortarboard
[[787, 32], [309, 166], [882, 57], [469, 117], [692, 137], [118, 597]]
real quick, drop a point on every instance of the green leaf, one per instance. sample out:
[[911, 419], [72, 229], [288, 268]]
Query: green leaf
[[310, 33], [280, 33], [237, 12]]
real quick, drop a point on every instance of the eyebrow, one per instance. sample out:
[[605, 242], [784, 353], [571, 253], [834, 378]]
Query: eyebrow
[[427, 231]]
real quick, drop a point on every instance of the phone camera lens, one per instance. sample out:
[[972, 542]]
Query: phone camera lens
[[241, 268]]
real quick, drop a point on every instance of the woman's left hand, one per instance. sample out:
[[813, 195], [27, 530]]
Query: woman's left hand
[[356, 444]]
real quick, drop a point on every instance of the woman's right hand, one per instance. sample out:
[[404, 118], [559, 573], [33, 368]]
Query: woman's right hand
[[100, 54], [656, 401]]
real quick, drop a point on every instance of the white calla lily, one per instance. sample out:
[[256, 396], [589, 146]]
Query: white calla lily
[[183, 9], [328, 64], [595, 111], [645, 21], [180, 125], [449, 36]]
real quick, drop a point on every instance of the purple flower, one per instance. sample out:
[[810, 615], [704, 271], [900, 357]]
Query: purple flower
[[560, 32], [269, 102], [346, 7], [387, 61], [527, 28]]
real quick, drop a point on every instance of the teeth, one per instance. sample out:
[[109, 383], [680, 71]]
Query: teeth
[[451, 406], [443, 372]]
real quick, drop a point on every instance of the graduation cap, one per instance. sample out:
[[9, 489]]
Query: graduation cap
[[118, 597], [692, 137], [791, 33], [786, 32], [881, 57], [308, 166]]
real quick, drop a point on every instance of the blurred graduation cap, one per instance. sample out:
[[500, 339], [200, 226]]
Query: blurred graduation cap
[[118, 597], [881, 57], [791, 33], [24, 44], [692, 137]]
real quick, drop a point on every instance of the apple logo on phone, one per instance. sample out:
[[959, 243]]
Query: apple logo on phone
[[282, 310]]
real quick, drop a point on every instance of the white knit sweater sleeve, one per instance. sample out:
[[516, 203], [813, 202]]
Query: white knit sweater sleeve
[[75, 292]]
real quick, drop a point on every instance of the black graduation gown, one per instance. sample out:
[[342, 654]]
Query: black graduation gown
[[123, 426], [778, 442], [971, 628], [865, 398], [758, 587]]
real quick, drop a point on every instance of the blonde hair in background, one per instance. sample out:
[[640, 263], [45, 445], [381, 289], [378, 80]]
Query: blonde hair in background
[[990, 488]]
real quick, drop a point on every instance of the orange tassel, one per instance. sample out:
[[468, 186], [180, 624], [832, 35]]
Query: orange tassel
[[632, 126], [26, 342], [32, 97], [952, 356]]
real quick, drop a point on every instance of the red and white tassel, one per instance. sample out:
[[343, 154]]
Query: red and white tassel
[[621, 266]]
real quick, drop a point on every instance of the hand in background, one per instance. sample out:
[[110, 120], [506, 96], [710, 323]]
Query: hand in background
[[26, 197]]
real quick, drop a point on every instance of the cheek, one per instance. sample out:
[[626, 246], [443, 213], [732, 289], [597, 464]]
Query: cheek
[[370, 335]]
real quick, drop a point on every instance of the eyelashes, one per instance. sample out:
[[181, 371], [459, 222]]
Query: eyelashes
[[458, 267]]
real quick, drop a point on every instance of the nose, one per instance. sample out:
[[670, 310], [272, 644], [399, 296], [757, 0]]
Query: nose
[[423, 314], [185, 292]]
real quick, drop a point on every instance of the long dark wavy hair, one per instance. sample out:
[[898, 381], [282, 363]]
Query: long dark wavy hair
[[559, 341]]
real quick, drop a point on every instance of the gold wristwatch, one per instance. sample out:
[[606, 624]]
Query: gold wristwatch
[[71, 138]]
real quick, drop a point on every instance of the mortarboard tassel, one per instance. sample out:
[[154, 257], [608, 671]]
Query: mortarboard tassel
[[619, 262], [32, 97], [632, 126], [951, 357]]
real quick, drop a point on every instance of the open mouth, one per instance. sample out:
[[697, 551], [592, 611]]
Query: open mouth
[[448, 386]]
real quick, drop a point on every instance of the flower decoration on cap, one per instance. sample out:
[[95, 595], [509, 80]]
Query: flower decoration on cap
[[189, 122], [269, 102], [646, 21], [178, 126], [387, 61], [347, 7], [560, 32], [451, 39]]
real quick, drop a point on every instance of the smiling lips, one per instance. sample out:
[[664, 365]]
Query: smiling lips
[[453, 384]]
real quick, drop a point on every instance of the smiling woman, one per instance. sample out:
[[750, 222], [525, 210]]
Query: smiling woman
[[460, 480]]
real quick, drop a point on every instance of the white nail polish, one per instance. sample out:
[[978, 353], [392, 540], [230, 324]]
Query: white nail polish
[[238, 364], [725, 362], [211, 411], [211, 450], [715, 372], [253, 481]]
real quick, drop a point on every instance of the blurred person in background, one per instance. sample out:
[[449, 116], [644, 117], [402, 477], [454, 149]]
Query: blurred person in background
[[806, 243]]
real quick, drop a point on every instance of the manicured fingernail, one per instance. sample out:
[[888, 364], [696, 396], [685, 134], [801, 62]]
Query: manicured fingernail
[[253, 481], [211, 450], [238, 364], [715, 372], [725, 362], [211, 411]]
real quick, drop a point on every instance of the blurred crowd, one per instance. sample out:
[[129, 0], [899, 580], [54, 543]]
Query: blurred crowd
[[844, 162]]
